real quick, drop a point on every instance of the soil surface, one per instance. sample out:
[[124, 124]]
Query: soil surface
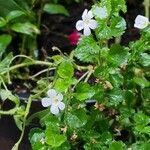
[[54, 31]]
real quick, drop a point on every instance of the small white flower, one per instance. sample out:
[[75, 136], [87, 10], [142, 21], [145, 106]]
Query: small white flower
[[141, 22], [87, 23], [54, 100], [100, 12]]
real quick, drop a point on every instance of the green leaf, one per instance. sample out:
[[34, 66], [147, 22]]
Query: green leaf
[[116, 79], [37, 137], [145, 130], [117, 6], [141, 146], [49, 120], [117, 55], [57, 59], [53, 138], [39, 114], [116, 145], [4, 65], [55, 9], [141, 119], [3, 22], [4, 94], [84, 91], [18, 121], [76, 119], [65, 70], [145, 59], [141, 82], [25, 28], [14, 14], [116, 96], [5, 40], [102, 10], [101, 72], [113, 28], [87, 49], [62, 84], [118, 26], [103, 31]]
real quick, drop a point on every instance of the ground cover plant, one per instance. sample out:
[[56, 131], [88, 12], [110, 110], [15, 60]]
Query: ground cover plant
[[96, 97]]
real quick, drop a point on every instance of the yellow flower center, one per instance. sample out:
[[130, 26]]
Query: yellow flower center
[[55, 100]]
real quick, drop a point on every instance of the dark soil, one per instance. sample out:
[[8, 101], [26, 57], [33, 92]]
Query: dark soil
[[54, 29]]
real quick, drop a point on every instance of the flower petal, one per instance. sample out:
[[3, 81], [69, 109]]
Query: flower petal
[[90, 14], [54, 110], [141, 22], [79, 25], [61, 106], [51, 93], [86, 31], [46, 102], [84, 15], [60, 97], [92, 24]]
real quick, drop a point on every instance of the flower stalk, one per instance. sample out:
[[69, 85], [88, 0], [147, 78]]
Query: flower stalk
[[147, 8]]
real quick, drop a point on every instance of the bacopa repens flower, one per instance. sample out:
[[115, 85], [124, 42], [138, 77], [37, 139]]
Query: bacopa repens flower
[[87, 23], [54, 100], [141, 22]]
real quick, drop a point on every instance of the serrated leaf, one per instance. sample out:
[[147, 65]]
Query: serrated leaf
[[76, 119], [116, 96], [54, 138], [87, 49], [37, 136], [117, 6], [62, 84], [118, 26], [84, 91], [141, 119], [65, 70], [117, 55], [55, 9]]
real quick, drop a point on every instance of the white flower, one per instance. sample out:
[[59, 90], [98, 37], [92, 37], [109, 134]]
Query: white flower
[[100, 12], [87, 23], [141, 22], [54, 100]]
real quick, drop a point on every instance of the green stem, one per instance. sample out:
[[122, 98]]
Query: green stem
[[28, 64], [43, 71], [23, 45], [147, 8], [9, 112], [16, 146]]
